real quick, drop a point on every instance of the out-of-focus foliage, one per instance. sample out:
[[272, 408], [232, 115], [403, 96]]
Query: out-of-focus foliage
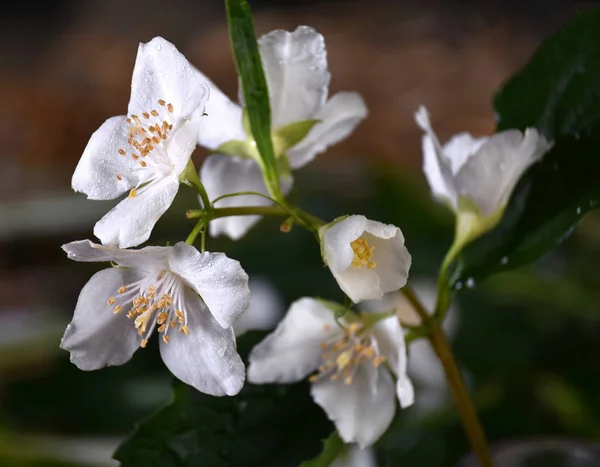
[[558, 93]]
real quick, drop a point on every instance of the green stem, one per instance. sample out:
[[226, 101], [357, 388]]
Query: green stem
[[191, 176], [465, 406], [249, 211], [243, 193], [195, 232]]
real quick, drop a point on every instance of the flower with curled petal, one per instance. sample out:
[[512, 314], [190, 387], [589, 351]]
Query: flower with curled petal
[[190, 298], [367, 258], [304, 123], [146, 152], [345, 358], [476, 176]]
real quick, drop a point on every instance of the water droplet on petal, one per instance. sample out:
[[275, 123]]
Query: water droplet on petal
[[158, 47], [221, 351]]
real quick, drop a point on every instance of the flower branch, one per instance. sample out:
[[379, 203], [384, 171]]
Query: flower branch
[[465, 406]]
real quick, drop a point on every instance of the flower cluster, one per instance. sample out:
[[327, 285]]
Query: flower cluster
[[196, 300]]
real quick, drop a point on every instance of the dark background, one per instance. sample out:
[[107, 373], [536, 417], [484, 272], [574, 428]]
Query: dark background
[[527, 339]]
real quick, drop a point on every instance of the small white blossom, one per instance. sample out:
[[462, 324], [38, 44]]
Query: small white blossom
[[265, 311], [146, 152], [295, 65], [349, 380], [190, 298], [476, 176], [353, 456], [367, 258]]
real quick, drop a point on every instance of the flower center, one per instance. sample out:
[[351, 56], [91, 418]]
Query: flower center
[[147, 135], [342, 357], [154, 300], [363, 252]]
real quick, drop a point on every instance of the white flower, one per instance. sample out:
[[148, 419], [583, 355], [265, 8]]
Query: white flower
[[146, 152], [353, 456], [265, 310], [353, 387], [424, 368], [191, 298], [476, 176], [304, 123], [367, 258]]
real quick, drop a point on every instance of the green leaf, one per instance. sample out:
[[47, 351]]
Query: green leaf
[[333, 446], [558, 92], [254, 87], [263, 426]]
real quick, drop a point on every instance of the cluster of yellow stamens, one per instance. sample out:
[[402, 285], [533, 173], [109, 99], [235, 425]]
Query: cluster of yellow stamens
[[150, 309], [342, 357], [363, 252], [143, 139]]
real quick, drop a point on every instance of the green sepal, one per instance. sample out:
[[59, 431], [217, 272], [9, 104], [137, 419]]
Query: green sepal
[[235, 147], [289, 135], [333, 446]]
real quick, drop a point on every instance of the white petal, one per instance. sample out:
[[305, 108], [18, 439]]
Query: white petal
[[390, 338], [339, 117], [359, 283], [222, 174], [362, 410], [223, 119], [293, 350], [337, 239], [490, 175], [460, 148], [353, 456], [182, 143], [436, 167], [295, 67], [149, 258], [97, 337], [131, 221], [265, 310], [206, 359], [392, 259], [162, 72], [97, 170], [220, 281]]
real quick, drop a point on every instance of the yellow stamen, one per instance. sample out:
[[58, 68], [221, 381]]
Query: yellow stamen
[[363, 252]]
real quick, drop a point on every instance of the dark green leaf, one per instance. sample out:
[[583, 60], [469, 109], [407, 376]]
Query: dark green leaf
[[558, 92], [254, 85], [263, 426]]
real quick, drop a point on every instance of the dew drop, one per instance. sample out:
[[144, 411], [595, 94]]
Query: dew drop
[[158, 47], [221, 351], [504, 260], [470, 283]]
